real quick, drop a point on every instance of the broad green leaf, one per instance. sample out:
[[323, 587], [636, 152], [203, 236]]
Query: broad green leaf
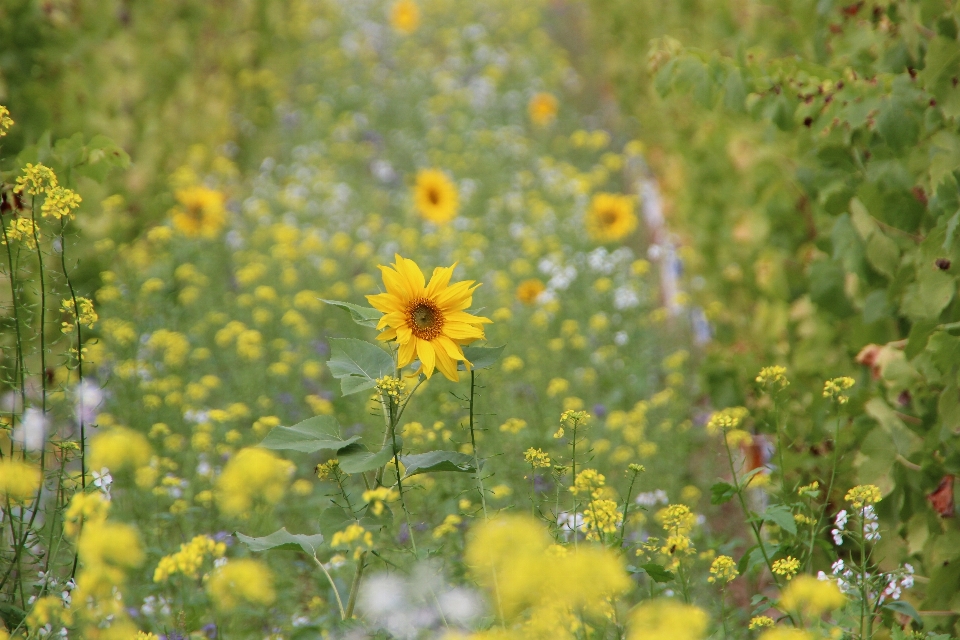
[[883, 254], [929, 295], [904, 607], [358, 364], [748, 476], [722, 492], [781, 516], [12, 615], [364, 316], [357, 459], [942, 61], [905, 440], [657, 572], [313, 434], [334, 519], [437, 461], [283, 540], [481, 357]]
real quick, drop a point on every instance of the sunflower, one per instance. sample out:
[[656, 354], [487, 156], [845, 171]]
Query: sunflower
[[435, 196], [542, 109], [200, 212], [610, 217], [405, 16], [427, 321]]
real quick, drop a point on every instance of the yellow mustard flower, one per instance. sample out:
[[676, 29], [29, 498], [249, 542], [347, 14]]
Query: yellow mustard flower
[[536, 458], [5, 120], [786, 567], [427, 320], [811, 596], [529, 290], [19, 481], [241, 581], [862, 495], [723, 570], [667, 619]]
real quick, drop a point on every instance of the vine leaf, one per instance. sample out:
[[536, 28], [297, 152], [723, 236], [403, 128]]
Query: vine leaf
[[283, 540], [364, 316], [311, 435], [358, 364]]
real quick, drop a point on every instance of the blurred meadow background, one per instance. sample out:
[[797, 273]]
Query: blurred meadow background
[[701, 380]]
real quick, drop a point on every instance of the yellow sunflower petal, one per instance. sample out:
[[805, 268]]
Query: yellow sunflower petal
[[411, 272], [448, 346], [407, 353], [427, 355], [389, 334], [440, 279], [393, 319], [462, 331], [385, 302], [461, 316], [397, 284], [447, 366], [453, 295]]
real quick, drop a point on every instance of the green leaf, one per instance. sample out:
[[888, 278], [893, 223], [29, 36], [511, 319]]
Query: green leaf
[[748, 476], [883, 254], [364, 316], [313, 434], [357, 458], [283, 540], [782, 517], [904, 607], [358, 364], [657, 573], [12, 615], [722, 492], [437, 461], [481, 357], [334, 519]]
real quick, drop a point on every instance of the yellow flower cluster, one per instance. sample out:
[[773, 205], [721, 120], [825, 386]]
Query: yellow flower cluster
[[87, 316], [511, 555], [723, 570], [36, 179], [786, 567], [118, 448], [252, 475], [328, 469], [5, 120], [22, 230], [601, 516], [241, 581], [391, 387], [60, 202], [84, 508], [450, 524], [377, 497], [19, 481], [775, 377], [667, 619], [189, 558], [174, 345], [574, 418], [513, 425], [588, 482], [760, 622], [862, 495], [355, 537], [726, 419], [834, 389], [677, 521], [49, 610], [811, 490], [811, 597], [536, 458]]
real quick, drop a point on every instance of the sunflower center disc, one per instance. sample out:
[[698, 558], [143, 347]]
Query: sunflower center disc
[[433, 196], [426, 320]]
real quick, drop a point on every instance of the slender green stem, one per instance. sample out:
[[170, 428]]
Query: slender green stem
[[754, 527], [396, 461], [355, 587], [723, 610], [826, 496], [336, 593], [626, 508]]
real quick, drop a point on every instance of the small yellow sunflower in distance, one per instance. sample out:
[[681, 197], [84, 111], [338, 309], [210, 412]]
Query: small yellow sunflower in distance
[[436, 196], [610, 217], [542, 109], [428, 320], [200, 212], [405, 16]]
